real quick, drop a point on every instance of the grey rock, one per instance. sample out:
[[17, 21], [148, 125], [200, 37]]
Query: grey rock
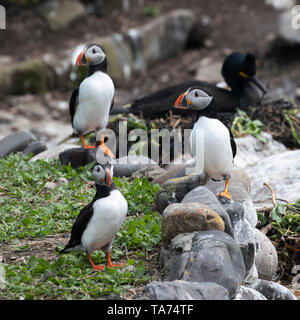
[[239, 194], [251, 151], [184, 290], [59, 14], [35, 148], [214, 257], [282, 172], [246, 293], [53, 152], [77, 157], [174, 190], [188, 217], [15, 142], [266, 259], [126, 166], [272, 290], [50, 185], [151, 173], [245, 237], [203, 195]]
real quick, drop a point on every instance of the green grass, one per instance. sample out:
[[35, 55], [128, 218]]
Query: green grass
[[243, 125], [29, 210]]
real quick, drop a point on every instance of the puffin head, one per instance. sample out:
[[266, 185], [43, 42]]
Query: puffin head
[[92, 54], [239, 69], [193, 98], [103, 174]]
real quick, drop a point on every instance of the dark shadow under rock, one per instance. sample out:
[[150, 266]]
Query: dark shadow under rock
[[35, 148]]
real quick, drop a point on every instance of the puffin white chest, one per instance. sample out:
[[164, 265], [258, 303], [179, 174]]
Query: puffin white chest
[[95, 96], [217, 152], [108, 216]]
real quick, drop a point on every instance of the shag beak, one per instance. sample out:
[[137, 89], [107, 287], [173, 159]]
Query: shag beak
[[81, 59], [258, 83], [107, 178], [181, 102]]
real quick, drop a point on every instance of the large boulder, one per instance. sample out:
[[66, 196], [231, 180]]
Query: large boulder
[[282, 172], [17, 141], [205, 256], [188, 217], [59, 14]]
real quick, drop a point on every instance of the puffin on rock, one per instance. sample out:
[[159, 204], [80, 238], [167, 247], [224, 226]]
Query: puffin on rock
[[91, 102], [219, 147], [238, 70], [97, 223]]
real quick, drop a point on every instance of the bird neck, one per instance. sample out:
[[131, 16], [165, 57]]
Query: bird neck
[[97, 67], [102, 191]]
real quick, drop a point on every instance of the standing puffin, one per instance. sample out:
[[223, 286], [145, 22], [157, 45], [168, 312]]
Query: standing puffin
[[238, 70], [91, 102], [219, 145], [99, 221]]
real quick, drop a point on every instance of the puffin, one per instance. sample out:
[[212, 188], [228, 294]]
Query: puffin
[[91, 102], [218, 142], [239, 72], [97, 223]]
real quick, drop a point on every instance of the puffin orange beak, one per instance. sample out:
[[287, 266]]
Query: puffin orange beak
[[107, 178], [179, 101], [81, 60]]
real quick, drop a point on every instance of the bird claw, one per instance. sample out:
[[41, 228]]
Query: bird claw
[[224, 194]]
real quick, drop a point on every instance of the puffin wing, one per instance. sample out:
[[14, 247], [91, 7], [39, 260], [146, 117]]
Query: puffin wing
[[233, 144], [73, 103], [79, 226]]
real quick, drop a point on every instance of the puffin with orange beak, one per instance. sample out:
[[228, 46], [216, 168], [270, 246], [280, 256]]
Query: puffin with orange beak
[[98, 222], [218, 146], [91, 102]]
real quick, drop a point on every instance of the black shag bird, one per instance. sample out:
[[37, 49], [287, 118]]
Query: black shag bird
[[238, 70]]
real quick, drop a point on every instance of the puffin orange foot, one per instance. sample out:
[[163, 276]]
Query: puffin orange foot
[[106, 150], [110, 265], [85, 146], [224, 194]]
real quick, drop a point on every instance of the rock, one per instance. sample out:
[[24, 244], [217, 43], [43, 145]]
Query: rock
[[266, 259], [152, 173], [188, 217], [35, 148], [174, 190], [31, 76], [59, 14], [282, 172], [238, 194], [50, 185], [61, 181], [161, 38], [106, 8], [119, 57], [77, 157], [241, 176], [183, 290], [205, 196], [245, 237], [15, 142], [126, 166], [280, 4], [246, 293], [53, 153], [251, 151], [209, 70], [205, 256], [272, 290]]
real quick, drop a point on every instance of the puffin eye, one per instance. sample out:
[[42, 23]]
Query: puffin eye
[[98, 170], [94, 51], [196, 94]]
